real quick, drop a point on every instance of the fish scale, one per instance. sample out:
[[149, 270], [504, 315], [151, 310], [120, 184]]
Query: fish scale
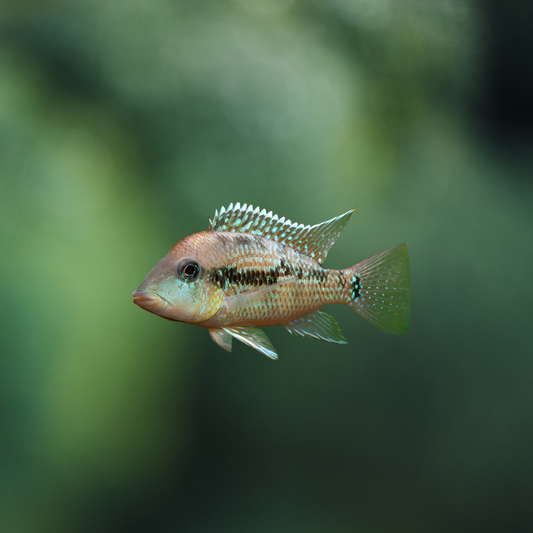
[[317, 287], [252, 268]]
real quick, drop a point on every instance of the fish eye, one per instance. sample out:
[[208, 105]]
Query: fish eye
[[188, 269]]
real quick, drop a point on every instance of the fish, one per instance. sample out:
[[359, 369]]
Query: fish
[[251, 269]]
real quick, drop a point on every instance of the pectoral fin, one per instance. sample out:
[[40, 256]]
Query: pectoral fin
[[318, 325], [253, 337], [249, 298]]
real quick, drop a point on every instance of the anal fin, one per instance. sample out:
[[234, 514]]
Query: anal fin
[[317, 325]]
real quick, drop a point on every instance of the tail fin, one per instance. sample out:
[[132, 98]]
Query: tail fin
[[381, 289]]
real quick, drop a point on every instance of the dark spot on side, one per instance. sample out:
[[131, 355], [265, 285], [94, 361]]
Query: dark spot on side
[[243, 240], [222, 238], [230, 275], [284, 268], [272, 276], [319, 274], [218, 277], [234, 276]]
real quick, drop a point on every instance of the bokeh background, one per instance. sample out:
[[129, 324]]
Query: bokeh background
[[125, 124]]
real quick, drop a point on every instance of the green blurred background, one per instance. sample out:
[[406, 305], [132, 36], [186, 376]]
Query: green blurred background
[[125, 124]]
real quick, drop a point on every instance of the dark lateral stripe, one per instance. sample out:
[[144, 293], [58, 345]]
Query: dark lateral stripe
[[285, 267], [224, 276], [217, 277]]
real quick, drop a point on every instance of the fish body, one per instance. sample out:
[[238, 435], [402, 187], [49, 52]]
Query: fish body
[[253, 269]]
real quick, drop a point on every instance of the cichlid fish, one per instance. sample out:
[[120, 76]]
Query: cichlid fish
[[251, 268]]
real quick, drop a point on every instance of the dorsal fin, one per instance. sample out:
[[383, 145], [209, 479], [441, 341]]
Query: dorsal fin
[[314, 241]]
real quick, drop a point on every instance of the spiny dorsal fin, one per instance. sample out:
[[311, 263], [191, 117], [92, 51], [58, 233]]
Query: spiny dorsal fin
[[314, 241]]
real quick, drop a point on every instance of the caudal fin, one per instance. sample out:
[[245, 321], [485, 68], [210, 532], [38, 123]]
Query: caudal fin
[[380, 289]]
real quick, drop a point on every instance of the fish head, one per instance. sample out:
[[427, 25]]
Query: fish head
[[178, 287]]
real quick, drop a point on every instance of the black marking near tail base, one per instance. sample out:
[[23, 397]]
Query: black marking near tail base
[[355, 284]]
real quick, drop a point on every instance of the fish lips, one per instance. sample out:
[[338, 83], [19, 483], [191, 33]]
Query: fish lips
[[146, 299]]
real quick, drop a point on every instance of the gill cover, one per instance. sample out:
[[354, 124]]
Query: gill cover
[[177, 288]]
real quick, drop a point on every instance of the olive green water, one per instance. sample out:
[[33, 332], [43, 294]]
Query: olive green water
[[124, 125]]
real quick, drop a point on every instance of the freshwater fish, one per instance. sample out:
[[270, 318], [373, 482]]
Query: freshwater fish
[[252, 268]]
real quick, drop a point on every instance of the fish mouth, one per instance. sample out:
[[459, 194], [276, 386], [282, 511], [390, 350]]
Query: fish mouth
[[147, 299]]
